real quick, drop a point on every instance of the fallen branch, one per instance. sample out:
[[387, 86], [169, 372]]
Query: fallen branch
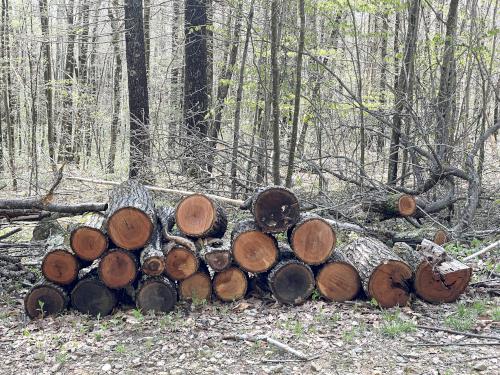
[[10, 233], [271, 341], [482, 251], [458, 344], [430, 328]]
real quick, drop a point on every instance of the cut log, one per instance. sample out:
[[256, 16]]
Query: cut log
[[59, 265], [131, 215], [437, 277], [152, 259], [197, 287], [253, 250], [180, 261], [156, 294], [217, 255], [312, 239], [338, 280], [91, 296], [198, 216], [390, 205], [384, 276], [45, 298], [291, 281], [415, 237], [89, 240], [275, 209], [118, 268], [230, 284]]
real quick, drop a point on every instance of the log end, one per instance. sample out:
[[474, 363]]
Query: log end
[[180, 263], [196, 287], [313, 241], [291, 282], [88, 243], [276, 209], [407, 205], [60, 267], [130, 228], [255, 251], [446, 287], [91, 296], [230, 285], [219, 260], [153, 266], [117, 269], [156, 294], [195, 215], [45, 299], [389, 283], [440, 237], [338, 281]]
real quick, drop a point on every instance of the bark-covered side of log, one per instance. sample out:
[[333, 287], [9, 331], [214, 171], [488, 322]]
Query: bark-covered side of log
[[166, 216], [152, 259], [389, 205]]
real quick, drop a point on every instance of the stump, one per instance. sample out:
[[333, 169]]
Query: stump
[[89, 240], [275, 209], [384, 276], [47, 297], [198, 216], [59, 264], [230, 284], [253, 250], [118, 268], [217, 255], [157, 294], [152, 259], [437, 277], [312, 239], [197, 287], [91, 296], [338, 280], [291, 282], [180, 261], [131, 215]]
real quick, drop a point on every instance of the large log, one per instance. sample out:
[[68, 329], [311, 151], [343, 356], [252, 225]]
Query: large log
[[217, 254], [180, 261], [197, 287], [384, 276], [390, 205], [437, 277], [156, 293], [59, 265], [275, 209], [45, 298], [198, 216], [253, 250], [118, 268], [89, 239], [152, 259], [131, 215], [90, 295], [312, 239], [338, 280], [230, 284]]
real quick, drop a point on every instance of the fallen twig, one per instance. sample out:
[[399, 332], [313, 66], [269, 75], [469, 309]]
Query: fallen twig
[[430, 328], [10, 233], [482, 251], [458, 344]]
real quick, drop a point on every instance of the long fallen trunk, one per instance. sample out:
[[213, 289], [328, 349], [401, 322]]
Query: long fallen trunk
[[312, 239], [156, 293], [384, 275], [118, 268], [230, 284], [216, 254], [90, 295], [390, 205], [198, 216], [131, 215], [180, 261], [59, 265], [275, 209], [152, 259], [253, 250], [338, 280], [197, 287], [89, 239], [437, 277], [45, 298]]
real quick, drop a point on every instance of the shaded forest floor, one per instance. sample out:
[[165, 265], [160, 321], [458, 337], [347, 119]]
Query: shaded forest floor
[[349, 338]]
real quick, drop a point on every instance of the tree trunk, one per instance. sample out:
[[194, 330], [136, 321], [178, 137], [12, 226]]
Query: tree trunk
[[147, 33], [200, 217], [45, 298], [175, 97], [275, 93], [157, 294], [118, 268], [89, 239]]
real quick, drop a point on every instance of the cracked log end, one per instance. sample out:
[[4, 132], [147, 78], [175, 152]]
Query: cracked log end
[[338, 281], [60, 267], [389, 283], [130, 228], [156, 294], [46, 297], [180, 263], [255, 251], [91, 296], [291, 282], [275, 209], [196, 287], [88, 243], [118, 268], [313, 241], [230, 285]]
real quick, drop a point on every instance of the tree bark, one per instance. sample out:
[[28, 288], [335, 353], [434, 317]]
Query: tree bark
[[275, 93]]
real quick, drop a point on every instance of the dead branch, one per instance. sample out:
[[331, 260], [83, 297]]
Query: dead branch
[[483, 251], [430, 328], [10, 233]]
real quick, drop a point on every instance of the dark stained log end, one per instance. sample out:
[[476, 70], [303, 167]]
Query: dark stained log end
[[313, 240], [338, 281], [275, 209], [230, 285], [406, 205], [88, 243], [291, 282], [130, 228], [440, 237], [255, 251], [389, 283], [198, 216], [218, 260], [157, 294], [91, 296], [60, 267], [47, 298], [180, 263], [118, 268], [196, 287], [153, 266]]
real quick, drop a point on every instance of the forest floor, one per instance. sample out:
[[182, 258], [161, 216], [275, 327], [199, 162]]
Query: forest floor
[[341, 338]]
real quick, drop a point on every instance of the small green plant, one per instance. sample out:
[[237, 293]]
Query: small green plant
[[495, 315], [394, 325], [198, 302], [465, 317], [26, 332], [98, 336], [374, 302], [120, 349], [316, 295], [137, 313], [61, 357], [348, 336], [149, 343], [41, 305]]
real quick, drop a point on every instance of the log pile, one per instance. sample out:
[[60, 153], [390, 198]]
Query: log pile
[[155, 256]]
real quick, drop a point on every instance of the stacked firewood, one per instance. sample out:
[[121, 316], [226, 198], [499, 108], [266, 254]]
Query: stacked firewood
[[155, 255]]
